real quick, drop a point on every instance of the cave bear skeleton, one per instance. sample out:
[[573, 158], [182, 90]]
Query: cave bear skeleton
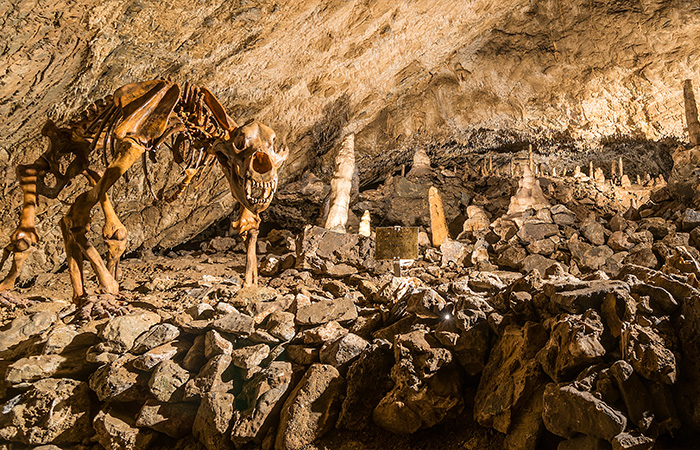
[[135, 122]]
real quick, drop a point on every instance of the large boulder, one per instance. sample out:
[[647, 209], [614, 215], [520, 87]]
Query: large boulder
[[120, 333], [511, 375], [115, 429], [340, 309], [300, 425], [259, 404], [368, 381], [427, 386], [574, 343], [569, 411], [466, 334], [688, 392], [119, 381], [52, 411], [328, 252], [213, 420], [173, 419], [647, 351]]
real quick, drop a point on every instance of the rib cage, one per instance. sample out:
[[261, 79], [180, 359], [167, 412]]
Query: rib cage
[[191, 130]]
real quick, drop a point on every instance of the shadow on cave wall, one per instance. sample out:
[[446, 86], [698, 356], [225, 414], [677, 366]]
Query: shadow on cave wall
[[326, 134]]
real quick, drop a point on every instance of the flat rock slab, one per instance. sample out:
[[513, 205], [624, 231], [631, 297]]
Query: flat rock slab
[[340, 309], [531, 232], [235, 323], [536, 262], [23, 327], [32, 368], [250, 357], [155, 356], [173, 419], [158, 335], [569, 412], [121, 332], [343, 351], [579, 300]]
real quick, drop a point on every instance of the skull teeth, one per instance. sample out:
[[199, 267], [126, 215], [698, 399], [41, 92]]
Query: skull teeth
[[258, 192]]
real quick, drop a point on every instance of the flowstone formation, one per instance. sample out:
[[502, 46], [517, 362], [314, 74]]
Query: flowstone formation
[[529, 194], [573, 325]]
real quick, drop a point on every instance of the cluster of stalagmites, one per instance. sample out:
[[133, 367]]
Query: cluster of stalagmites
[[585, 327]]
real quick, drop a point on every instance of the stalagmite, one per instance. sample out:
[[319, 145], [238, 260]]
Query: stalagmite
[[530, 160], [564, 172], [364, 225], [591, 172], [341, 185], [620, 170], [478, 219], [625, 181], [529, 194], [512, 168], [639, 180], [491, 164], [438, 224], [691, 113], [554, 172], [599, 176], [577, 171], [660, 181], [421, 164], [480, 254]]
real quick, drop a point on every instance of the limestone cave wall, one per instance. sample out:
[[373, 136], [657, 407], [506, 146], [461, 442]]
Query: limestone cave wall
[[478, 74]]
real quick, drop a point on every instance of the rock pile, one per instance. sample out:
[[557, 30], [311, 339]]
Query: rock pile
[[583, 328]]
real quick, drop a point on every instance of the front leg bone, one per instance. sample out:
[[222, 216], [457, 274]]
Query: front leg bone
[[251, 265], [24, 237], [247, 225]]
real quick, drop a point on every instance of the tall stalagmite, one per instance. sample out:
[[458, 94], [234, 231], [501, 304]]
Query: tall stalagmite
[[341, 186]]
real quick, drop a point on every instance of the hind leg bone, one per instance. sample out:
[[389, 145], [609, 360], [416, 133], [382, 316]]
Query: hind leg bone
[[78, 218], [113, 232]]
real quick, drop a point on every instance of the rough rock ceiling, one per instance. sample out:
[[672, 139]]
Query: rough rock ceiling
[[397, 74]]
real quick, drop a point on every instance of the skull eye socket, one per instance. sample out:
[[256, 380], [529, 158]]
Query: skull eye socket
[[261, 163]]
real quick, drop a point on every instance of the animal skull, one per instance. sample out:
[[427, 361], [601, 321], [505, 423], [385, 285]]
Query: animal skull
[[250, 161]]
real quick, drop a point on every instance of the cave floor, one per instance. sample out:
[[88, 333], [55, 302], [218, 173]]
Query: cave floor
[[174, 283]]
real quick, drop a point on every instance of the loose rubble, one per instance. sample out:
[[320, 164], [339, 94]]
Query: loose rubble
[[558, 322]]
